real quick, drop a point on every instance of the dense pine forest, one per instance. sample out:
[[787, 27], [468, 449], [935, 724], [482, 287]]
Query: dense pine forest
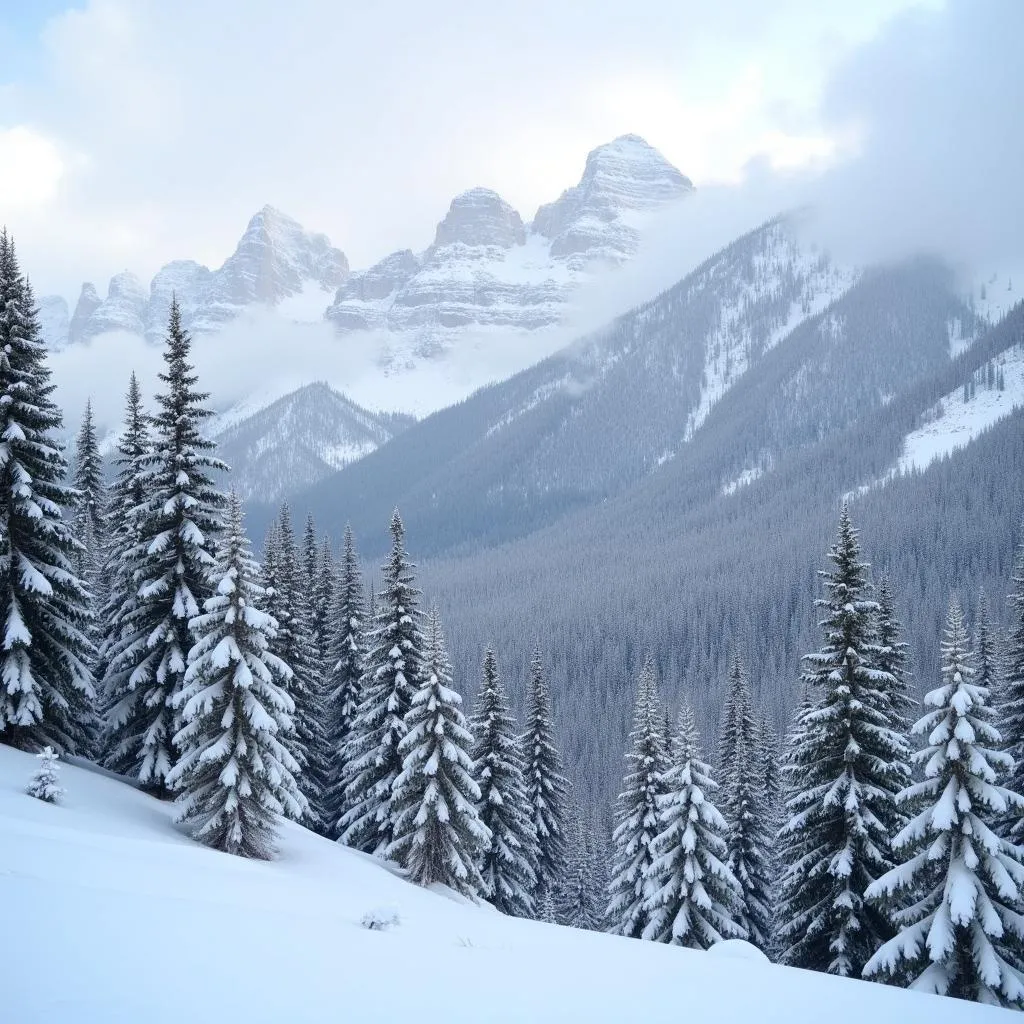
[[870, 834]]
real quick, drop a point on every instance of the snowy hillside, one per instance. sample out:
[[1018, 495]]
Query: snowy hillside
[[960, 416], [297, 440], [119, 918]]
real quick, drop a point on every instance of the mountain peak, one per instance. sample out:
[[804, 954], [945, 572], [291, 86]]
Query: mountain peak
[[591, 220], [480, 216]]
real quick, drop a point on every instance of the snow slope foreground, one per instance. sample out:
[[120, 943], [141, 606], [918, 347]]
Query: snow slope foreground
[[110, 915]]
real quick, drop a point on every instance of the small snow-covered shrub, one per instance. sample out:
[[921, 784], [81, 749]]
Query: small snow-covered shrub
[[45, 784], [380, 919]]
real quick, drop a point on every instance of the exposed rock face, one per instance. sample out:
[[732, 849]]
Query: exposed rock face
[[480, 217], [275, 259], [487, 269], [592, 220]]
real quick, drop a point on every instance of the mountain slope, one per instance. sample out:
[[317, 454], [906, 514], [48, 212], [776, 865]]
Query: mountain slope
[[84, 883], [767, 346], [298, 440]]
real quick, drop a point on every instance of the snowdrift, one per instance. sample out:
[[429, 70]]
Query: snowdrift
[[110, 915]]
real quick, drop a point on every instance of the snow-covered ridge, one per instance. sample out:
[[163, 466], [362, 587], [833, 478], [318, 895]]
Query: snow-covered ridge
[[486, 269], [283, 940], [275, 260], [992, 393]]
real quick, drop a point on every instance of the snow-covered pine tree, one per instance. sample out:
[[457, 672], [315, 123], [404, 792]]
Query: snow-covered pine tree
[[985, 654], [546, 786], [438, 834], [690, 893], [393, 673], [295, 646], [169, 566], [506, 862], [637, 811], [45, 782], [892, 656], [91, 501], [742, 803], [323, 601], [579, 899], [46, 685], [1012, 692], [125, 500], [958, 886], [772, 801], [235, 777], [843, 772], [345, 661]]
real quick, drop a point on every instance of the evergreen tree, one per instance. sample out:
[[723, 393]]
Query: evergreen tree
[[958, 886], [235, 777], [772, 801], [579, 898], [438, 834], [322, 602], [169, 567], [546, 786], [345, 668], [1012, 710], [45, 782], [637, 812], [91, 501], [507, 860], [690, 891], [843, 772], [892, 657], [747, 837], [125, 501], [393, 673], [295, 646], [46, 685]]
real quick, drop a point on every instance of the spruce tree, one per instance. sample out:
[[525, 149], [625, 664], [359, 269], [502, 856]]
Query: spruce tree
[[843, 773], [322, 602], [125, 501], [742, 803], [506, 862], [1012, 709], [45, 782], [637, 811], [295, 646], [345, 663], [169, 566], [892, 657], [91, 500], [393, 673], [689, 890], [546, 786], [958, 885], [235, 777], [438, 834], [46, 684]]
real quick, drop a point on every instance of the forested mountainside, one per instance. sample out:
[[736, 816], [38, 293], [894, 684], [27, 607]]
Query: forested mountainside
[[766, 347]]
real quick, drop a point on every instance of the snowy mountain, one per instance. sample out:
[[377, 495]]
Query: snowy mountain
[[487, 269], [283, 940], [298, 440], [276, 259]]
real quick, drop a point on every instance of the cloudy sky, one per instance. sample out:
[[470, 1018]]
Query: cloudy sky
[[137, 131]]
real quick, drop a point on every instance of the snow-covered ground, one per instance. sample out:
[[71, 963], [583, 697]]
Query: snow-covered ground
[[110, 915], [953, 423]]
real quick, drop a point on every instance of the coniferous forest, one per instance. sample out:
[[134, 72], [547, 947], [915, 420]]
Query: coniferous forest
[[873, 835]]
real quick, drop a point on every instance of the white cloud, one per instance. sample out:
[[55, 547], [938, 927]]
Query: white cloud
[[31, 168]]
